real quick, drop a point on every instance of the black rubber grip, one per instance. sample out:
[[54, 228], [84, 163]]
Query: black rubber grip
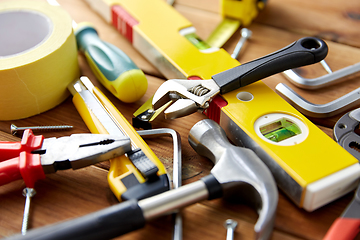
[[303, 52], [147, 189], [104, 224], [213, 186]]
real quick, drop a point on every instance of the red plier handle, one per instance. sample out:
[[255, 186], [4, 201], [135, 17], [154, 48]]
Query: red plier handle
[[343, 229], [28, 143], [17, 161], [347, 226]]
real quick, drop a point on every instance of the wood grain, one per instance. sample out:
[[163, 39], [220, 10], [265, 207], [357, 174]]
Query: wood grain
[[69, 194]]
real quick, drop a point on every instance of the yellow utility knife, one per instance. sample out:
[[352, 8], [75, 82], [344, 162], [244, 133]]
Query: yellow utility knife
[[137, 174]]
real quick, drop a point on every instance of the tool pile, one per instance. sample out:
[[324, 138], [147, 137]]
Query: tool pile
[[257, 142]]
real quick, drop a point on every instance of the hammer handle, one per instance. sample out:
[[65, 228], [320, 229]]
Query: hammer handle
[[104, 224], [121, 218]]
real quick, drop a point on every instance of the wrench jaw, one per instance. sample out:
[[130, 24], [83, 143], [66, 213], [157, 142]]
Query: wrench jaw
[[181, 108], [186, 96]]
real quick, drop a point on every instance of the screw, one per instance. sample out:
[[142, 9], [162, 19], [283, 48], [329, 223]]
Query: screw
[[171, 2], [15, 130], [245, 34], [326, 66], [28, 193], [230, 225]]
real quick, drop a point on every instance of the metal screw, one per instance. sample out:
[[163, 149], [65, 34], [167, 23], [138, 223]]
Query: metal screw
[[326, 66], [28, 193], [170, 2], [15, 130], [245, 34], [230, 225]]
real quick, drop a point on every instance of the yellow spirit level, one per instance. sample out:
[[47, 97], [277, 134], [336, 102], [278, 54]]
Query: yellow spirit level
[[310, 167]]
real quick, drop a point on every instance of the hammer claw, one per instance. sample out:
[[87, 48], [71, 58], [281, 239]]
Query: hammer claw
[[240, 172]]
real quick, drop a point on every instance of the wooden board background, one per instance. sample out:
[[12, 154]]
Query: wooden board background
[[69, 194]]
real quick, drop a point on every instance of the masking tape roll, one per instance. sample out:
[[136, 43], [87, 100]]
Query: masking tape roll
[[38, 58]]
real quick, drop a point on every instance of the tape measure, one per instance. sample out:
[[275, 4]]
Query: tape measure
[[234, 13], [38, 58]]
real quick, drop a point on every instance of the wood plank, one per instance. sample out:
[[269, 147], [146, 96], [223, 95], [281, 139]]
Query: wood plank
[[67, 194], [335, 20]]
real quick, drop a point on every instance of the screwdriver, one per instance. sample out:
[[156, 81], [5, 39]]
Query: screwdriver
[[112, 67]]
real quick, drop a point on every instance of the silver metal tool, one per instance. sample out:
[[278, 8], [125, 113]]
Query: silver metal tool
[[326, 66], [230, 226], [245, 35], [177, 171], [28, 193], [195, 95], [330, 109], [33, 156], [325, 80], [240, 166], [345, 132], [18, 130], [238, 173], [170, 2], [80, 150]]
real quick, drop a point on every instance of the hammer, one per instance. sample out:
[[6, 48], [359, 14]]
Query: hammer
[[238, 173]]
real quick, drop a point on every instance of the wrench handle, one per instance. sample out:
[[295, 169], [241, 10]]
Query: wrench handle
[[302, 52]]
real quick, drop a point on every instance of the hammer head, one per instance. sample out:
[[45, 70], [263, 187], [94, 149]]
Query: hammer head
[[240, 172]]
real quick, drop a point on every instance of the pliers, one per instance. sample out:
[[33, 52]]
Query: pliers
[[347, 226], [195, 95], [34, 156]]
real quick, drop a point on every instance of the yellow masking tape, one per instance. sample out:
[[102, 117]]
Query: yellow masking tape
[[38, 58]]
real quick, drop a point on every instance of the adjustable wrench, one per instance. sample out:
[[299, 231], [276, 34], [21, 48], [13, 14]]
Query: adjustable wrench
[[238, 173], [196, 95]]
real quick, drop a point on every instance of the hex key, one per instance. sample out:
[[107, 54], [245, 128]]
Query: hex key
[[330, 109], [177, 234], [325, 80]]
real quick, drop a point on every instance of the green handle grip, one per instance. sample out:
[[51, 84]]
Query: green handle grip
[[113, 68]]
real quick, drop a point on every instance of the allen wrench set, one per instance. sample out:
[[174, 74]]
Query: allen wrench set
[[342, 104]]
